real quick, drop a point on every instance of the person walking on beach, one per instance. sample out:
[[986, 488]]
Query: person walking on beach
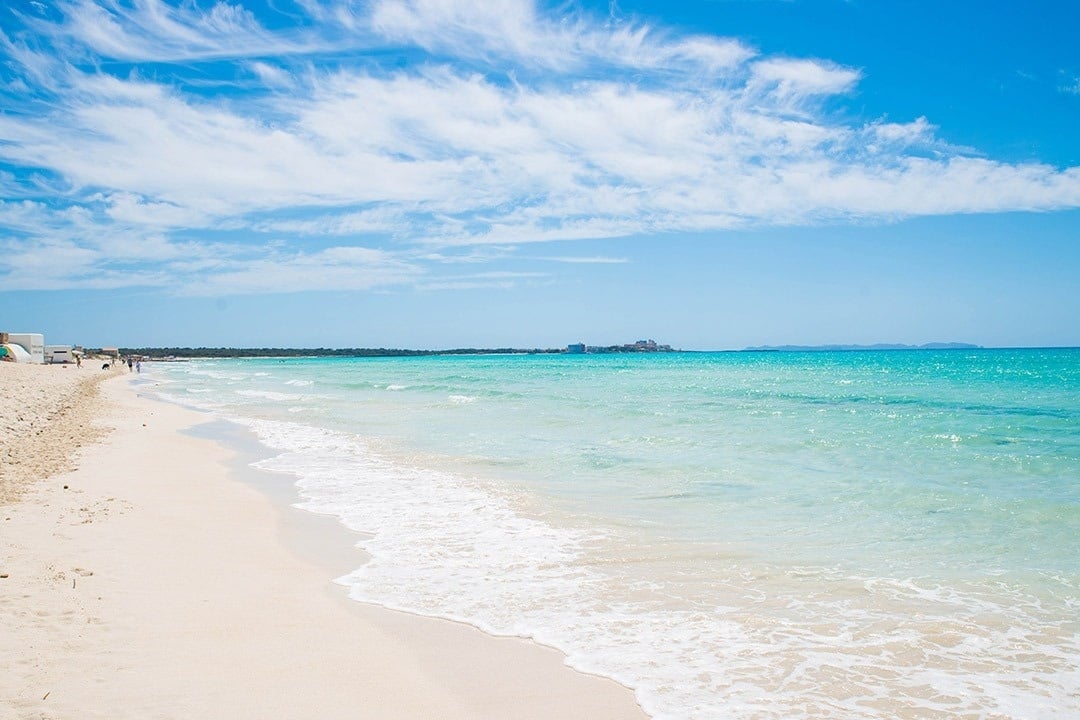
[[129, 363], [138, 366]]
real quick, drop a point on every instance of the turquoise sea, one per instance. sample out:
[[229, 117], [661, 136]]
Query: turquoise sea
[[890, 534]]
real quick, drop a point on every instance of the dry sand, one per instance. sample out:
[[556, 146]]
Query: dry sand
[[152, 583], [47, 412]]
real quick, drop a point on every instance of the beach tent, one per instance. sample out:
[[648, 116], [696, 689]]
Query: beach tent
[[15, 353]]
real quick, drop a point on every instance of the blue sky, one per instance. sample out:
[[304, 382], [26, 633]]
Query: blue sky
[[463, 173]]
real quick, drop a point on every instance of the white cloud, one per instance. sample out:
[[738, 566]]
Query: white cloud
[[22, 216], [918, 132], [516, 29], [588, 260], [791, 85], [474, 27], [519, 127], [272, 75], [502, 280], [45, 260], [158, 31], [363, 222], [337, 268], [134, 209], [712, 53]]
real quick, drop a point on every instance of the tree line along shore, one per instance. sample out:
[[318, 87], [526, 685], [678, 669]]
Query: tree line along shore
[[163, 353]]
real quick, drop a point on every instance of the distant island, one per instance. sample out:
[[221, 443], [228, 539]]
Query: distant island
[[878, 346]]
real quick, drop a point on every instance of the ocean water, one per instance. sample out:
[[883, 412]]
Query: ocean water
[[732, 535]]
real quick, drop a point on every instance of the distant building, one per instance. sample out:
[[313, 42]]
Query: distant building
[[576, 349], [33, 343], [58, 354]]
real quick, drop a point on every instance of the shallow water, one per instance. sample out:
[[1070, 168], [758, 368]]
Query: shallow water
[[735, 535]]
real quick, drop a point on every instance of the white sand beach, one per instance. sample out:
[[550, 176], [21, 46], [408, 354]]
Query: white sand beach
[[141, 578], [48, 413]]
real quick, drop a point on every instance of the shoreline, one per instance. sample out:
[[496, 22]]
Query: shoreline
[[320, 539], [158, 580]]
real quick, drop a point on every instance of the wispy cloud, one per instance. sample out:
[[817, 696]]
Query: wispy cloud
[[157, 31], [338, 268], [588, 260], [478, 281], [516, 30], [162, 124]]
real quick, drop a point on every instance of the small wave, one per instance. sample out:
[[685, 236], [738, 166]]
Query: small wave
[[461, 399], [269, 395]]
